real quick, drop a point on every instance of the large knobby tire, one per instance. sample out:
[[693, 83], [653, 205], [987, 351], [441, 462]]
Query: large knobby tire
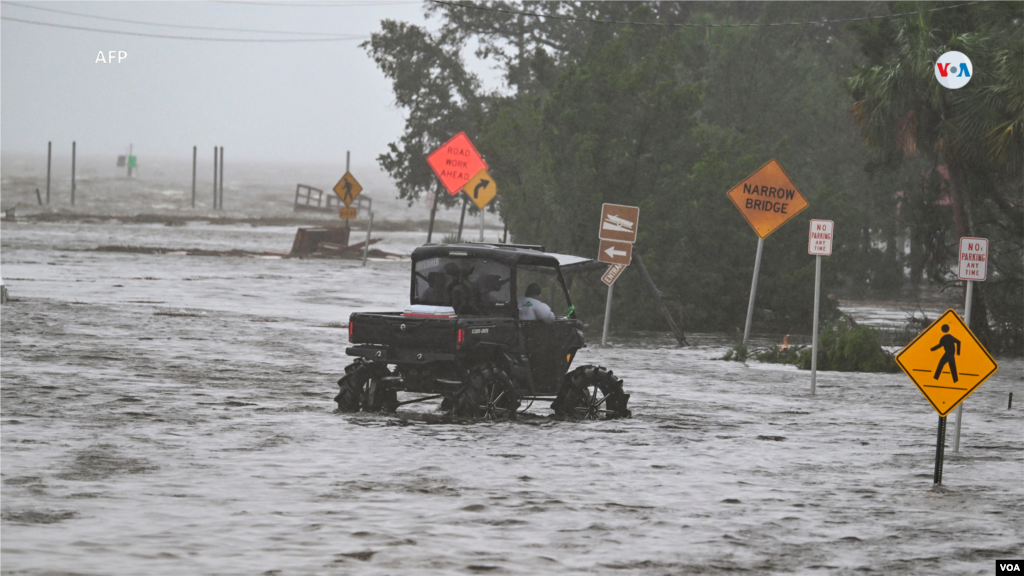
[[361, 388], [591, 393], [487, 393]]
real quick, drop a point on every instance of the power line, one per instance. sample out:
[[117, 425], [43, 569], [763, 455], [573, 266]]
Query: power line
[[167, 25], [197, 38], [751, 25]]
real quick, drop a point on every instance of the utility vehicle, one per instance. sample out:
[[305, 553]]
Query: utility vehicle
[[461, 340]]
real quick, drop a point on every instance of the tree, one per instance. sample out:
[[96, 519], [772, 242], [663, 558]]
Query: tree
[[971, 140]]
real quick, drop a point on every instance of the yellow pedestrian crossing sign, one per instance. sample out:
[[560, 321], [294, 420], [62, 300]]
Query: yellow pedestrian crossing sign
[[347, 189], [946, 362], [481, 189]]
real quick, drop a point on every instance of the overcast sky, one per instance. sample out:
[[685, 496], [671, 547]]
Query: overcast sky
[[294, 102]]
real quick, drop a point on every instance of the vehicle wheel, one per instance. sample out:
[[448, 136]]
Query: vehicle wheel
[[360, 387], [591, 393], [488, 393]]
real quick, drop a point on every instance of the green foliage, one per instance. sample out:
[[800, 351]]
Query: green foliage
[[843, 346], [670, 118], [736, 353], [847, 347], [958, 152]]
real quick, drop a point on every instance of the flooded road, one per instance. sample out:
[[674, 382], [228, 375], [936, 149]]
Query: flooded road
[[173, 414]]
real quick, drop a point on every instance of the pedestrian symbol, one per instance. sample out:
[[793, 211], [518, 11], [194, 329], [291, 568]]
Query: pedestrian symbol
[[952, 350], [347, 189], [946, 362]]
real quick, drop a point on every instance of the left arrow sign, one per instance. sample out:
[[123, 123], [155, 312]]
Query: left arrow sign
[[612, 252]]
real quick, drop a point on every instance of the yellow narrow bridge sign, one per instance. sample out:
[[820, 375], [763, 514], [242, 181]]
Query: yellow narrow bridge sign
[[946, 362]]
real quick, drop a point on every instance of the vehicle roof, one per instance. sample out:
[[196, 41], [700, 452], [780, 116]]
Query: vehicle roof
[[505, 253]]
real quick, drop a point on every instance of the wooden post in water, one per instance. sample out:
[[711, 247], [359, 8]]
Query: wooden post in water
[[73, 173], [220, 197], [214, 177], [465, 201], [49, 157], [369, 230], [676, 331], [433, 212], [348, 161], [194, 151]]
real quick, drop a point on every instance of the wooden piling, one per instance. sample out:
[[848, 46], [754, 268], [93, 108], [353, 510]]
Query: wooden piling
[[49, 157], [220, 197], [73, 173], [214, 177], [639, 261], [194, 152]]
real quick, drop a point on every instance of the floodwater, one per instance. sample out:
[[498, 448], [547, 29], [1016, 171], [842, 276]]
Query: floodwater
[[173, 414]]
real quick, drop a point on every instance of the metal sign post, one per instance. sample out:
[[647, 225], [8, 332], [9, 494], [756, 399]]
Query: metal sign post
[[753, 292], [960, 408], [369, 229], [819, 243], [814, 329], [973, 265], [767, 199], [940, 449], [618, 230], [609, 278], [607, 315]]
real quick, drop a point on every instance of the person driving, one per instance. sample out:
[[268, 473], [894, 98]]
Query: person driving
[[532, 309]]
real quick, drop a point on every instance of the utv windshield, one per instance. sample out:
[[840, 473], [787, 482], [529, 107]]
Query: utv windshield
[[470, 285]]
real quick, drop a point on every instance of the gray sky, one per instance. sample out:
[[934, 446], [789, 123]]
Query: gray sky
[[294, 102]]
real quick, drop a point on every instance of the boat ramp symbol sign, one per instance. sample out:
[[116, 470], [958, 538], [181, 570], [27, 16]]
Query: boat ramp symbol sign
[[619, 223], [481, 189], [767, 199], [347, 189], [973, 259], [946, 362]]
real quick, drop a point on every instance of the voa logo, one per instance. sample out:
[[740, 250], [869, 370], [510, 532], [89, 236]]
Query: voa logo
[[953, 70]]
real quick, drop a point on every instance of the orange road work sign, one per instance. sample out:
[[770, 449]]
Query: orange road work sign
[[456, 162], [767, 199], [946, 362]]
